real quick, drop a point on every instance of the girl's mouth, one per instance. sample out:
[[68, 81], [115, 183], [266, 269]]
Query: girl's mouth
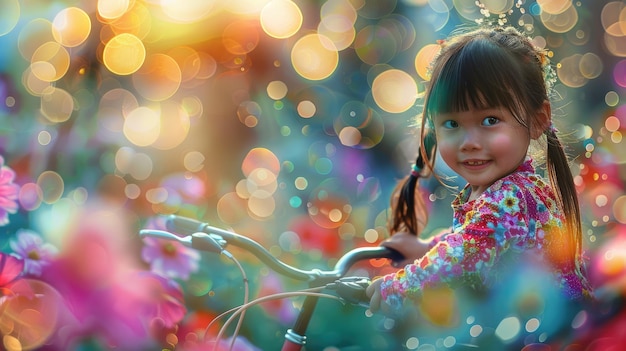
[[475, 164]]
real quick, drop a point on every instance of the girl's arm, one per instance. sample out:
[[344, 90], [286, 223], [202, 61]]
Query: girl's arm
[[409, 245], [470, 252]]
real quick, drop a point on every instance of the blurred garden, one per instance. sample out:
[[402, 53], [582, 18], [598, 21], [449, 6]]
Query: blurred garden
[[289, 122]]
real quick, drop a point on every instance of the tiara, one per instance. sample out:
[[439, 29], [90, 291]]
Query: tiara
[[490, 20]]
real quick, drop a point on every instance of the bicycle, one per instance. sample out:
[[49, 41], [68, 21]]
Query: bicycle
[[350, 289]]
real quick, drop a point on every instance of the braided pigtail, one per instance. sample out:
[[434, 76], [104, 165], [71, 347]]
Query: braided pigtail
[[560, 177], [408, 208]]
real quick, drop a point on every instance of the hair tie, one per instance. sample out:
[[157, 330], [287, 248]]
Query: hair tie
[[415, 171], [552, 128]]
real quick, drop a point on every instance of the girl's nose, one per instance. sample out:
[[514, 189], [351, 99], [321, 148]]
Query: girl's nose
[[470, 140]]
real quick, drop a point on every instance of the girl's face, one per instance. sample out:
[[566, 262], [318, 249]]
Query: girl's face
[[481, 146]]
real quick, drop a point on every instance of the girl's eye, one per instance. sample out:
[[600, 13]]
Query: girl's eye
[[489, 121], [450, 124]]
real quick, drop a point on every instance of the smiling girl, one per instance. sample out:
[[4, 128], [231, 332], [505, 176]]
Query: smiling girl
[[486, 101]]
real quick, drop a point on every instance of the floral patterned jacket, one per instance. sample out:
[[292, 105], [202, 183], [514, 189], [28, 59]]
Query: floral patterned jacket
[[517, 215]]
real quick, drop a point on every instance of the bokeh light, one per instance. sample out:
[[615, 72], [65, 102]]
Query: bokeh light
[[142, 126], [394, 91], [314, 57], [51, 185], [34, 34], [50, 62], [10, 15], [281, 18], [375, 44], [71, 27], [158, 78], [187, 12], [109, 10], [57, 105], [124, 54]]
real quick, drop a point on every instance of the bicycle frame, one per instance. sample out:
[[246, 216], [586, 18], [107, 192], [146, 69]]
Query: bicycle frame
[[204, 237]]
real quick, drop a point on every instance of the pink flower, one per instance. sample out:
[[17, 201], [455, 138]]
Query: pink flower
[[10, 270], [151, 298], [107, 301], [21, 298], [31, 247], [8, 193], [169, 258]]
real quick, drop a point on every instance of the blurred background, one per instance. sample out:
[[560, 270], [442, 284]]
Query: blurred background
[[287, 121]]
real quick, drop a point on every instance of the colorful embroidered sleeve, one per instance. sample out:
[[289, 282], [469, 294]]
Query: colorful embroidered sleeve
[[483, 231]]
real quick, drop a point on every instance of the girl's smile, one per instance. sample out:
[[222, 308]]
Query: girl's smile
[[475, 164]]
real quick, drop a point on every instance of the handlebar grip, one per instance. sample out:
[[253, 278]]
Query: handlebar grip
[[183, 225], [395, 256]]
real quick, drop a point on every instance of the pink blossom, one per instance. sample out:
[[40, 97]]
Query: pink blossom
[[169, 258], [31, 247], [22, 297], [155, 301], [106, 299], [10, 270], [8, 193]]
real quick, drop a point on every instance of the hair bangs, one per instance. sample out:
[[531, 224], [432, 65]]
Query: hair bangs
[[480, 75]]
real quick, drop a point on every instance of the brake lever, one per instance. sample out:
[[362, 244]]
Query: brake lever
[[198, 241], [162, 234], [352, 290]]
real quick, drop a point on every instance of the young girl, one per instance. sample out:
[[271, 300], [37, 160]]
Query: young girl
[[486, 101]]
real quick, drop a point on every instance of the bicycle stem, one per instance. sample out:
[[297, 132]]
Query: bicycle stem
[[295, 338]]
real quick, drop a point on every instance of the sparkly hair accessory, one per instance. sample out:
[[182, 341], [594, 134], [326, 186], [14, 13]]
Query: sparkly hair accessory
[[549, 74], [490, 20]]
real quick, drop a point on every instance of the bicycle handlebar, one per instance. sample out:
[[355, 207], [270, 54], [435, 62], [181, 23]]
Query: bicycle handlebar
[[202, 236]]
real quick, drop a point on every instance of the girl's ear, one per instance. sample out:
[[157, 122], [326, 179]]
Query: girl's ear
[[543, 119]]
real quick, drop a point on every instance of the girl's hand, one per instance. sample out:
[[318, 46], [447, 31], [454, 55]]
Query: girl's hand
[[407, 244], [408, 314], [376, 300]]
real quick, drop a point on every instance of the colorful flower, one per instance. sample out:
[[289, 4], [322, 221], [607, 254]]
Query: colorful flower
[[169, 258], [10, 269], [478, 251], [31, 248], [155, 300], [510, 203], [106, 299], [8, 193], [22, 298]]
